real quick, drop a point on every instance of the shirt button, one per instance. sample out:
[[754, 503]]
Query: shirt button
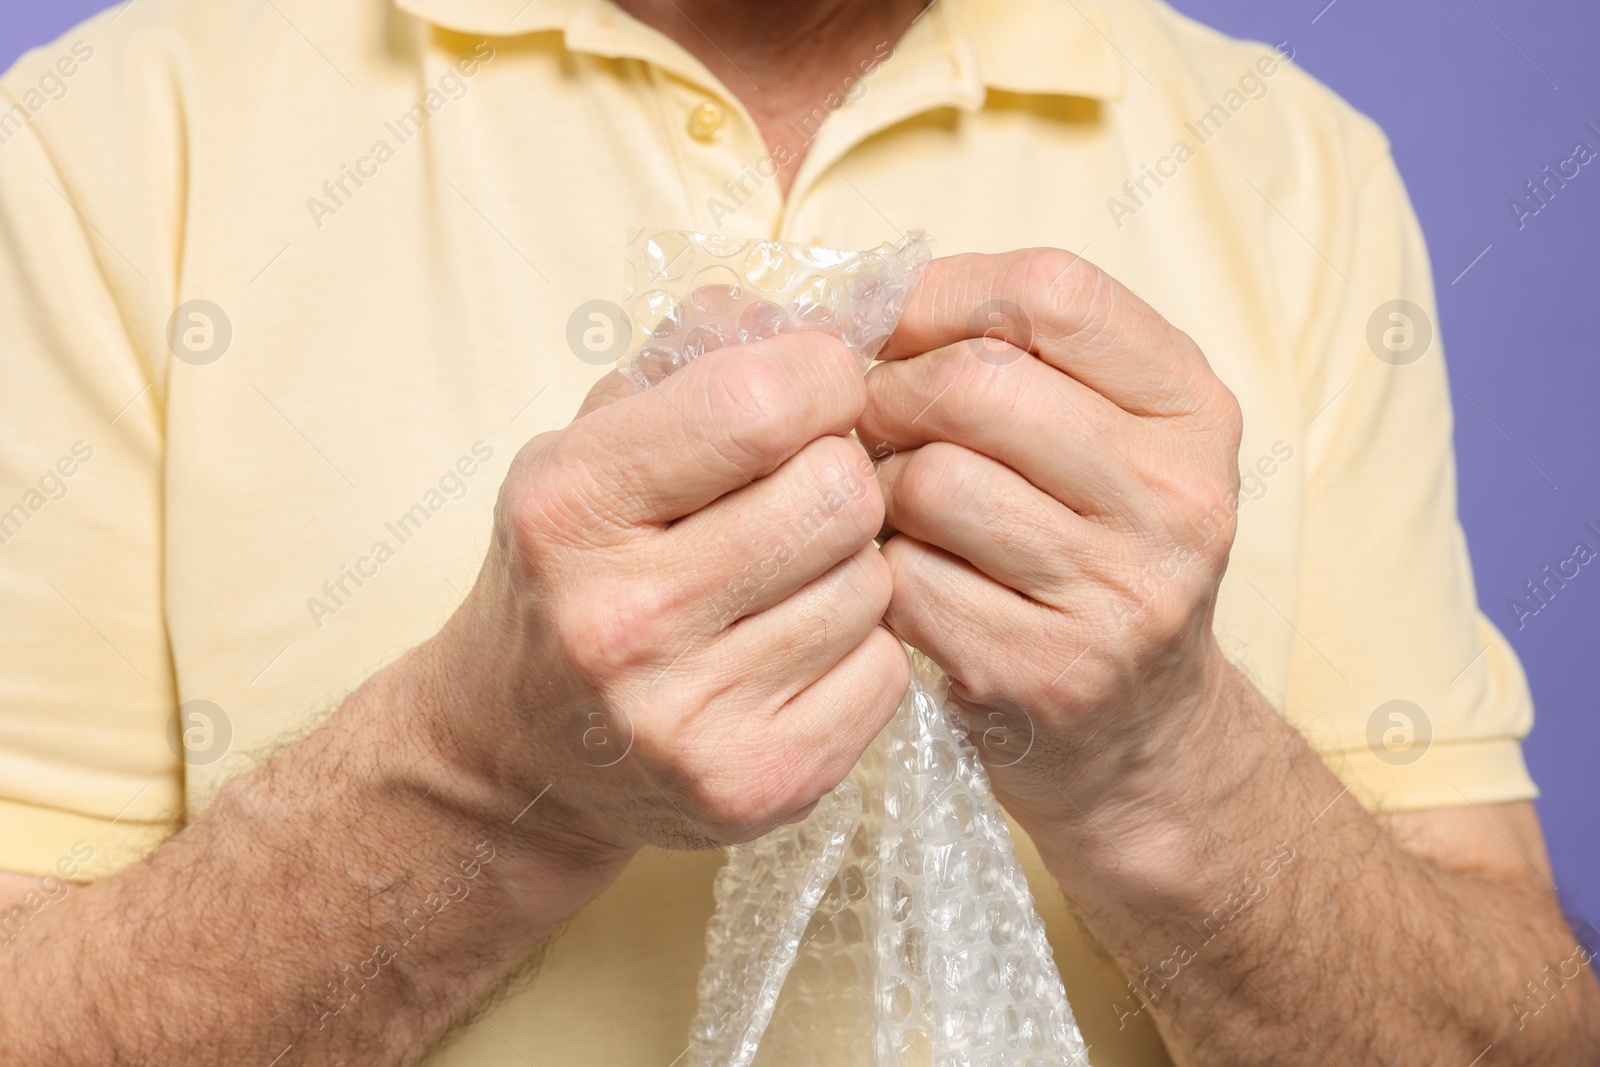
[[705, 122]]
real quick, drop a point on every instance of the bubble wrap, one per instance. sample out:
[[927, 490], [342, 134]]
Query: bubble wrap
[[893, 925], [692, 293]]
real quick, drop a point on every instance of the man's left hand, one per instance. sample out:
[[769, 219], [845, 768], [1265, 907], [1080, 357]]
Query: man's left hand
[[1060, 466]]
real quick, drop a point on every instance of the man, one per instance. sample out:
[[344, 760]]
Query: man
[[341, 671]]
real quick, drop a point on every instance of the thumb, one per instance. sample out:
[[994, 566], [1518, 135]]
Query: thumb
[[607, 390]]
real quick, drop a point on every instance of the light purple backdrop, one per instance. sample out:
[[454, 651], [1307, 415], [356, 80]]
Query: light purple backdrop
[[1477, 97]]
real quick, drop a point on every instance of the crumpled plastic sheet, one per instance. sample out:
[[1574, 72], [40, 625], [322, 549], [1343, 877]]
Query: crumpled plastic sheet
[[692, 293], [893, 925]]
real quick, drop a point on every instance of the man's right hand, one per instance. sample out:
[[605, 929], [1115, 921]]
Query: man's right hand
[[674, 640], [677, 625]]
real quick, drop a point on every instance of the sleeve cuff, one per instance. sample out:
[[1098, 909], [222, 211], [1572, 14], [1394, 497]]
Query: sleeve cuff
[[1449, 774], [49, 841]]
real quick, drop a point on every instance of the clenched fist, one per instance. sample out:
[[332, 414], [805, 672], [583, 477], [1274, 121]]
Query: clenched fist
[[1062, 491], [677, 625]]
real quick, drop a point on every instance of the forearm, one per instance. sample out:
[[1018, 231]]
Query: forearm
[[344, 903], [1262, 916]]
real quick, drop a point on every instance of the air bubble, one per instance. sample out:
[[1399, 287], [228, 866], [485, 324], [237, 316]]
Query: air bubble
[[893, 924]]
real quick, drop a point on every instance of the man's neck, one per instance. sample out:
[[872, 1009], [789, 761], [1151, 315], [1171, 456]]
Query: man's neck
[[781, 58]]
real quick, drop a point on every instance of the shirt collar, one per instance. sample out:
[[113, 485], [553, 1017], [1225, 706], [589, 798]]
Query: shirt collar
[[1060, 47]]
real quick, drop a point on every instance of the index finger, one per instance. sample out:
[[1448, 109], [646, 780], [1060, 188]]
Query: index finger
[[730, 417], [1061, 308]]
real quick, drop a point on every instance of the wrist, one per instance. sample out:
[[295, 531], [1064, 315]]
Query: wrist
[[1155, 832], [461, 757]]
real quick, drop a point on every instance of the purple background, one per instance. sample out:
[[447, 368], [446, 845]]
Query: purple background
[[1477, 96]]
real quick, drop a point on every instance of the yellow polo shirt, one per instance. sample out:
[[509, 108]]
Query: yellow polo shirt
[[285, 284]]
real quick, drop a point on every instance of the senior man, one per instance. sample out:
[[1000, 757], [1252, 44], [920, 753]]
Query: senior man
[[321, 609]]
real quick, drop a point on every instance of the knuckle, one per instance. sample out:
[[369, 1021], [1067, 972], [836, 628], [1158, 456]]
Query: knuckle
[[838, 456], [742, 800], [734, 782], [1199, 510], [831, 357], [1098, 682], [876, 585], [525, 496], [1207, 512], [551, 498], [900, 558], [1198, 391], [833, 378], [522, 520], [983, 686], [1229, 414], [976, 396], [661, 743], [855, 603], [604, 635], [758, 403], [1060, 680], [847, 491], [937, 479], [894, 670], [1069, 289], [751, 384], [1166, 621], [911, 493], [1159, 607]]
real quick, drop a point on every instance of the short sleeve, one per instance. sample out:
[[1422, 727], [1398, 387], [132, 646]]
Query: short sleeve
[[88, 779], [1406, 690]]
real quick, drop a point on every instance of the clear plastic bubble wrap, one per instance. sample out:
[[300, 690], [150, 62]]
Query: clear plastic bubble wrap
[[893, 925], [692, 293]]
